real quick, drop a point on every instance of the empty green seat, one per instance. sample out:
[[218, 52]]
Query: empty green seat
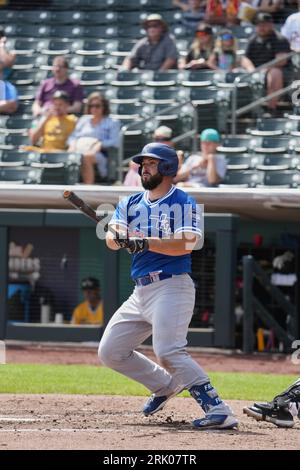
[[242, 179], [282, 179], [59, 167], [269, 127], [22, 175], [15, 158], [278, 162], [239, 144]]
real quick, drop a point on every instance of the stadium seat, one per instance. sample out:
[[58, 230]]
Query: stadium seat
[[180, 31], [22, 175], [278, 162], [105, 32], [244, 161], [24, 107], [269, 127], [292, 126], [199, 78], [166, 95], [92, 63], [18, 158], [28, 46], [30, 30], [242, 179], [130, 111], [119, 48], [34, 16], [94, 78], [28, 77], [155, 5], [166, 79], [172, 17], [234, 145], [294, 145], [59, 167], [16, 125], [211, 107], [75, 17], [9, 16], [12, 141], [89, 47], [102, 18], [132, 17], [27, 93], [282, 179], [130, 78], [278, 144], [67, 31], [130, 31], [126, 94], [57, 47], [24, 62], [241, 31]]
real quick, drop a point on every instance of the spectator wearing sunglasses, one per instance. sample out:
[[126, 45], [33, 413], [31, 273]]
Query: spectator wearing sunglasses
[[200, 49], [95, 132], [224, 56], [157, 51]]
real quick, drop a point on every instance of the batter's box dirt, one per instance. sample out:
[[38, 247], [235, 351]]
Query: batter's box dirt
[[113, 422]]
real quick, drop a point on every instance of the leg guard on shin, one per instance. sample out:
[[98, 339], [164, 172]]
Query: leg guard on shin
[[206, 396]]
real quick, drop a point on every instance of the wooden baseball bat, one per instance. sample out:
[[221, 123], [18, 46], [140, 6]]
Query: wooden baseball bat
[[87, 210]]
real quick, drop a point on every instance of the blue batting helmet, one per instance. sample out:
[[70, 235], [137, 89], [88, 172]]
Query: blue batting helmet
[[168, 164]]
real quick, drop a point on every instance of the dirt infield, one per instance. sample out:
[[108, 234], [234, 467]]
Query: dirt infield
[[114, 422], [215, 362], [106, 422]]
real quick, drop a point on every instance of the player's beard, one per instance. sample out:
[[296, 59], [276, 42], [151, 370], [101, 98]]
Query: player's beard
[[152, 182]]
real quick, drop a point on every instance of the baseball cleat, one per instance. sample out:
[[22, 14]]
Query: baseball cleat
[[267, 412], [154, 404], [216, 422]]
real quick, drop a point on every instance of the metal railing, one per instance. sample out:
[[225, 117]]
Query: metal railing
[[246, 76], [251, 304], [234, 111]]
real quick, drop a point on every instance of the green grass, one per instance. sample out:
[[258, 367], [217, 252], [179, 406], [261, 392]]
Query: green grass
[[81, 379]]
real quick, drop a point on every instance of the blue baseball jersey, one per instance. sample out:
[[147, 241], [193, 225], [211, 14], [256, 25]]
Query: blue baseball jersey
[[176, 212]]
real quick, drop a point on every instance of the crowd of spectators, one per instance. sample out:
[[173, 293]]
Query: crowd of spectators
[[63, 120]]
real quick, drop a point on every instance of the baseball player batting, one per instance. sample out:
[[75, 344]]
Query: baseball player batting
[[160, 238]]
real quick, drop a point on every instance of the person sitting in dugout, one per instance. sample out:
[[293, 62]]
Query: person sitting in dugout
[[91, 310]]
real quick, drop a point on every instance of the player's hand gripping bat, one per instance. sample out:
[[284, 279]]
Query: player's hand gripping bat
[[133, 245]]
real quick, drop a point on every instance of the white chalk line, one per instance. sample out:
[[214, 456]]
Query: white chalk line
[[14, 419], [57, 430]]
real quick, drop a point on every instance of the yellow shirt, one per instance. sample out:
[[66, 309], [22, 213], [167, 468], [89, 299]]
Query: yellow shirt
[[57, 130], [84, 315]]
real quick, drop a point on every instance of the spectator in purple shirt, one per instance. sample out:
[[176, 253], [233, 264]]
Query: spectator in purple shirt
[[60, 81]]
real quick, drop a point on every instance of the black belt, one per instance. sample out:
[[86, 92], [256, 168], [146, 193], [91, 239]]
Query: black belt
[[150, 278]]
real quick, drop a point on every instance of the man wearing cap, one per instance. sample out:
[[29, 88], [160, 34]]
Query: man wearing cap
[[160, 227], [59, 82], [265, 45], [54, 128], [157, 51], [206, 168], [91, 310]]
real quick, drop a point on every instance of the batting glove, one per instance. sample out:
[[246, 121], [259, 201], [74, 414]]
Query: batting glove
[[137, 245]]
